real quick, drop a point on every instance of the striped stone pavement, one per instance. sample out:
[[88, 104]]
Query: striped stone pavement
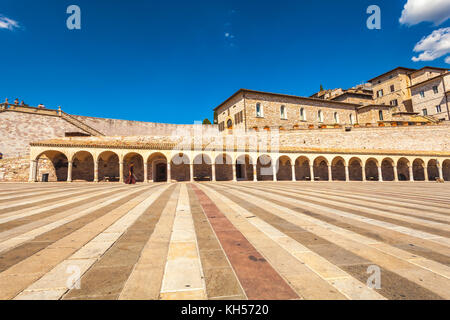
[[247, 240]]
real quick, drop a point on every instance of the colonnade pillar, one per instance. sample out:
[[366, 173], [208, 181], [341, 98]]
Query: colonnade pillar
[[395, 173], [255, 173], [425, 173], [411, 175], [169, 173], [69, 171], [293, 172], [95, 170], [146, 172], [380, 174], [347, 174], [191, 172], [121, 171], [33, 171]]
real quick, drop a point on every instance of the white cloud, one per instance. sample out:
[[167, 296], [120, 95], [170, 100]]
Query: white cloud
[[447, 60], [6, 23], [417, 11], [434, 46]]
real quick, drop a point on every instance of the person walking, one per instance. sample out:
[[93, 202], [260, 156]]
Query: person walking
[[131, 177]]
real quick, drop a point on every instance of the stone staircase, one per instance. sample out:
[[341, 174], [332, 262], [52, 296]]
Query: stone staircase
[[79, 124]]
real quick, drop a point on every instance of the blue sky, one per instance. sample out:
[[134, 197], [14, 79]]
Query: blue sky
[[175, 61]]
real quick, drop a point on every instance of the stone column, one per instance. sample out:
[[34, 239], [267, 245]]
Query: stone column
[[330, 173], [121, 171], [33, 171], [411, 175], [441, 174], [146, 173], [364, 178], [213, 172], [169, 173], [293, 173], [255, 173], [380, 174], [425, 173], [69, 171], [191, 172], [395, 173], [347, 174], [234, 172], [274, 172], [311, 172], [96, 171]]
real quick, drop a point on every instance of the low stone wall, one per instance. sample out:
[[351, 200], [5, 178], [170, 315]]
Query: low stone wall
[[18, 169]]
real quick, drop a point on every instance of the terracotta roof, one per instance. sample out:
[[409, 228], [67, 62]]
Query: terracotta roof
[[283, 95]]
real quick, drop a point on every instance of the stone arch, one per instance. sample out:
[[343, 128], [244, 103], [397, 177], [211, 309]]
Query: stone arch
[[302, 169], [202, 168], [83, 166], [387, 169], [157, 167], [264, 170], [446, 170], [403, 169], [138, 162], [180, 167], [244, 168], [224, 167], [433, 170], [371, 169], [321, 169], [284, 169], [355, 171], [418, 169], [338, 169], [108, 166], [54, 163]]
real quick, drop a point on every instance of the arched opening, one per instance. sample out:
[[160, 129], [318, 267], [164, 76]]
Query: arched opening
[[403, 169], [180, 167], [53, 164], [302, 169], [387, 169], [264, 168], [355, 169], [321, 169], [224, 167], [108, 166], [446, 170], [284, 169], [372, 170], [433, 170], [244, 168], [138, 166], [338, 169], [157, 167], [83, 166], [202, 168], [419, 170]]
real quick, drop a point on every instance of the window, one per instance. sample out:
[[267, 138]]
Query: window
[[438, 109], [336, 117], [238, 117], [283, 112], [320, 116], [435, 89], [229, 124], [380, 115], [394, 103], [302, 114], [392, 88], [379, 93], [422, 94], [221, 126], [425, 112], [351, 119], [259, 111]]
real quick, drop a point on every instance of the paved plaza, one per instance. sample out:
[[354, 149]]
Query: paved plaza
[[247, 240]]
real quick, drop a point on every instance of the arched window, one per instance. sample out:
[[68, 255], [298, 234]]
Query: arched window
[[351, 119], [320, 116], [302, 114], [229, 124], [336, 117], [380, 115], [283, 112], [259, 110]]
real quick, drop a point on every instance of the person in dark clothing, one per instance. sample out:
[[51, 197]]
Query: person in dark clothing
[[131, 177]]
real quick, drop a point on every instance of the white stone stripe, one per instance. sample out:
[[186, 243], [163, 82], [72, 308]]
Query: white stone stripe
[[61, 219], [10, 216], [347, 285], [383, 224], [183, 271], [55, 284]]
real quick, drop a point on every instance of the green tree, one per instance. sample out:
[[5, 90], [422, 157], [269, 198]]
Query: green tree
[[321, 87], [206, 121]]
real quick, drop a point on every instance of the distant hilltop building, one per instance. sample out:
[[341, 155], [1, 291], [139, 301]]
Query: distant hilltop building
[[394, 127]]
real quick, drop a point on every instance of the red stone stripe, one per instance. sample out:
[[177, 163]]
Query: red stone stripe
[[257, 277]]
